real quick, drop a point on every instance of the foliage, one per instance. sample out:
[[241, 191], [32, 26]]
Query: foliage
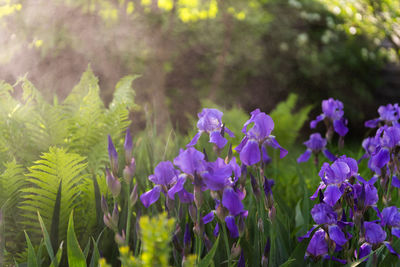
[[53, 157]]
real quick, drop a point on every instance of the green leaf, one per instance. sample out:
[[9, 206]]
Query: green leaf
[[95, 255], [55, 221], [206, 261], [46, 237], [57, 258], [74, 252], [32, 260], [87, 249]]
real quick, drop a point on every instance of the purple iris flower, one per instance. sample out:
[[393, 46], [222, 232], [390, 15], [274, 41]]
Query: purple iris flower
[[333, 112], [218, 174], [315, 145], [318, 245], [190, 161], [257, 137], [169, 181], [390, 216], [374, 234], [210, 122], [388, 138], [335, 178], [388, 114], [324, 214]]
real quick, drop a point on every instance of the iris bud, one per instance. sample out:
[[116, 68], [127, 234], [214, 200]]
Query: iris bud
[[134, 195]]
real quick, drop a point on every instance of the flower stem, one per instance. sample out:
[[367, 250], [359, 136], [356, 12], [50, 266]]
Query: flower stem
[[128, 220], [226, 241]]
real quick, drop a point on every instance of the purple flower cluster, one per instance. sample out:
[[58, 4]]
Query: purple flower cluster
[[332, 115], [192, 175], [348, 201]]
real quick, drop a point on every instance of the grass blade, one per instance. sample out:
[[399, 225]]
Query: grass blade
[[74, 252]]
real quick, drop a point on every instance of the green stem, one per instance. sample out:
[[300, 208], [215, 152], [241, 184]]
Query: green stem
[[226, 241], [128, 220]]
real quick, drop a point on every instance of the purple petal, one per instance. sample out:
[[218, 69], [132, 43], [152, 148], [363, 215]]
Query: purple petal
[[216, 138], [307, 235], [328, 257], [164, 173], [195, 139], [320, 187], [396, 232], [340, 127], [395, 181], [250, 154], [217, 179], [185, 196], [371, 195], [329, 155], [231, 201], [365, 250], [305, 156], [314, 123], [318, 246], [381, 158], [208, 217], [391, 249], [336, 234], [231, 225], [390, 216], [229, 132], [216, 230], [242, 261], [374, 234], [242, 144], [150, 196], [177, 187], [190, 161], [372, 123], [332, 194], [323, 214], [209, 120]]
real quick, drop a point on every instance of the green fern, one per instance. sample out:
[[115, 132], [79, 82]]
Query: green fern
[[44, 177]]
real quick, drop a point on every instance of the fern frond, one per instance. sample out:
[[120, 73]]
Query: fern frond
[[44, 177]]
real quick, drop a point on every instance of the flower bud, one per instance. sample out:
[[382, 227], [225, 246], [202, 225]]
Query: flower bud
[[113, 155], [260, 225], [187, 240], [242, 225], [120, 239], [107, 220], [254, 185], [134, 195], [104, 205], [193, 213], [115, 215], [128, 175], [272, 213], [113, 183], [235, 250]]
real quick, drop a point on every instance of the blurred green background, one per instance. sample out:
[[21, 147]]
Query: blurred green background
[[236, 53]]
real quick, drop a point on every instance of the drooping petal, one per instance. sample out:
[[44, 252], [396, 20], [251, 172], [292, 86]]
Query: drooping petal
[[323, 214], [271, 141], [242, 261], [391, 216], [320, 187], [391, 249], [374, 234], [372, 123], [265, 158], [329, 155], [216, 230], [318, 245], [336, 234], [307, 235], [195, 139], [395, 181], [218, 178], [396, 232], [305, 156], [216, 138], [150, 196], [250, 153], [332, 194], [231, 201], [208, 217], [381, 158], [314, 123], [365, 250], [340, 127], [185, 196], [231, 225], [242, 144], [229, 132], [177, 187]]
